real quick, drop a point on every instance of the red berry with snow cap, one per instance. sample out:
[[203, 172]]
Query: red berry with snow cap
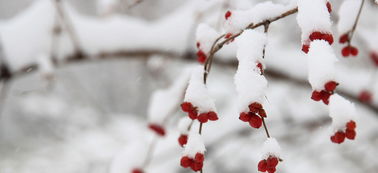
[[212, 116], [203, 118], [272, 162], [186, 107], [199, 157], [351, 125], [330, 86]]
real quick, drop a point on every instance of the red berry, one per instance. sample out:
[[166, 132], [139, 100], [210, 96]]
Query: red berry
[[186, 106], [325, 96], [316, 96], [328, 37], [353, 51], [374, 58], [350, 134], [260, 66], [272, 162], [199, 158], [157, 129], [365, 96], [193, 114], [262, 113], [344, 38], [305, 48], [228, 35], [329, 7], [136, 170], [182, 140], [203, 118], [186, 162], [198, 44], [351, 125], [255, 107], [201, 56], [271, 170], [255, 121], [212, 116], [227, 15], [315, 36], [244, 117], [262, 166], [197, 166], [338, 138], [346, 51], [330, 86]]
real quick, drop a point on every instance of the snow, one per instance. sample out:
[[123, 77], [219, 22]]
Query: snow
[[106, 7], [313, 16], [240, 19], [321, 64], [197, 93], [195, 145], [347, 15], [250, 84], [206, 36], [45, 65], [271, 148], [183, 125], [341, 111], [165, 102]]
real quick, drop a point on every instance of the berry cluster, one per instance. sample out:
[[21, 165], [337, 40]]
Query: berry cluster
[[195, 163], [193, 113], [347, 50], [182, 140], [254, 116], [317, 35], [324, 95], [158, 129], [268, 165], [365, 96], [201, 56], [136, 170], [350, 133]]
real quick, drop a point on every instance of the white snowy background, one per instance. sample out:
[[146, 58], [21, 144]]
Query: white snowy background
[[92, 116]]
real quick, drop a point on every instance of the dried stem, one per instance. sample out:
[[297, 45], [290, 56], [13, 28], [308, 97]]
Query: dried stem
[[266, 128], [351, 32]]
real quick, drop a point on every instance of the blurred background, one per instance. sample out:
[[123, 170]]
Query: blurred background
[[83, 72]]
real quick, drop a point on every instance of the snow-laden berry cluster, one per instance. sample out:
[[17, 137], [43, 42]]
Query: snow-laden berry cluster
[[184, 128], [270, 157], [193, 155], [197, 101], [249, 81], [314, 20], [164, 103], [321, 70], [343, 115], [348, 13], [205, 37]]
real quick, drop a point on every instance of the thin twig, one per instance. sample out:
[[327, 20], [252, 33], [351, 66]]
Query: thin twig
[[266, 128], [351, 32]]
